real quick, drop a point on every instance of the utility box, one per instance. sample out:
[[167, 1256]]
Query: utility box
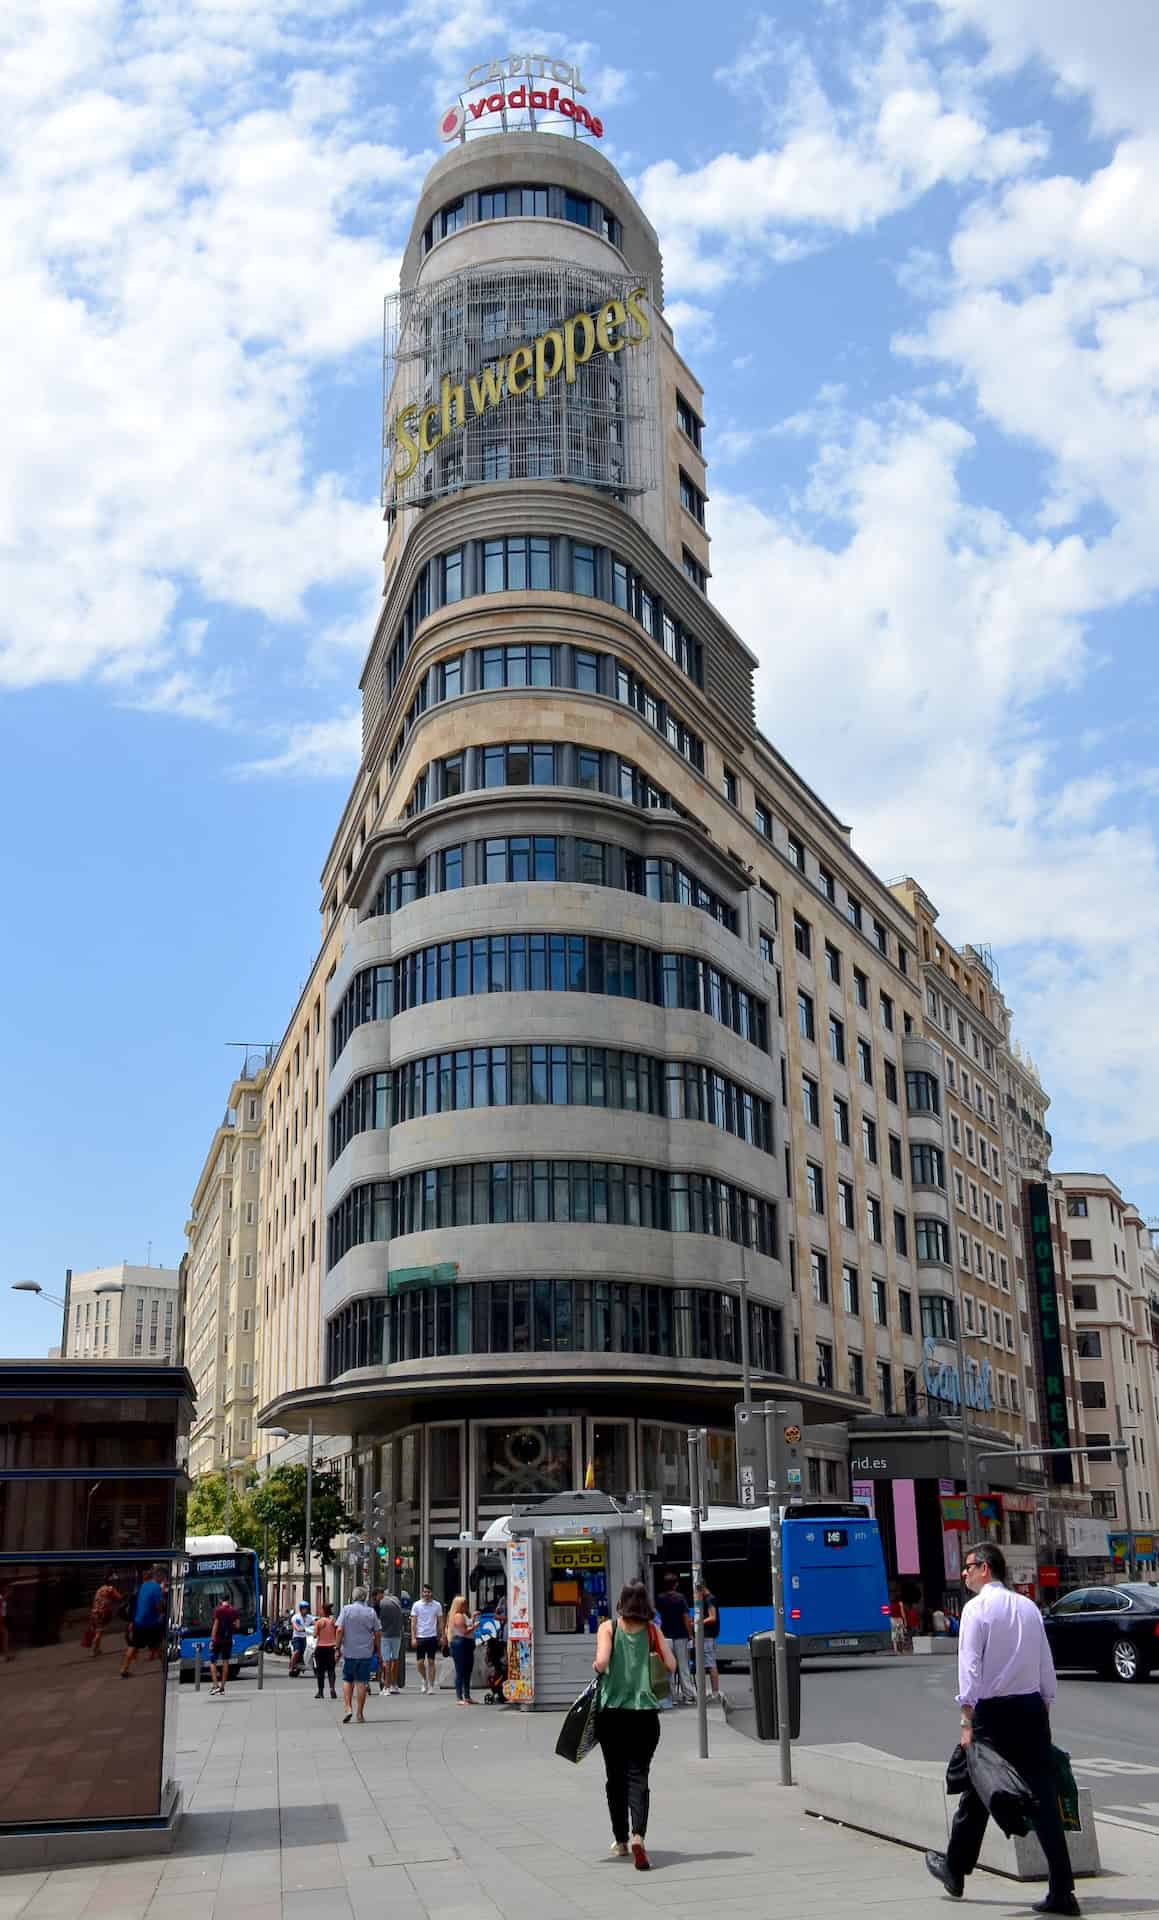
[[92, 1526], [567, 1558]]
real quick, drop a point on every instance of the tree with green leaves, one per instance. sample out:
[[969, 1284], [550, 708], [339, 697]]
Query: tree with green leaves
[[207, 1509], [279, 1503]]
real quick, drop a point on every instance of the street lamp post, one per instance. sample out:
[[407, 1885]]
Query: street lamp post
[[271, 1433]]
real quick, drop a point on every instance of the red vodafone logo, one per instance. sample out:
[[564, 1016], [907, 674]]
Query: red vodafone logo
[[521, 99]]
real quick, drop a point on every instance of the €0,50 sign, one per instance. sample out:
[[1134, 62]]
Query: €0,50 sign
[[559, 350]]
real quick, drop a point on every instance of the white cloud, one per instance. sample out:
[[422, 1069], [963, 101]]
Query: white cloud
[[839, 165], [182, 262], [906, 657], [1107, 52], [318, 749]]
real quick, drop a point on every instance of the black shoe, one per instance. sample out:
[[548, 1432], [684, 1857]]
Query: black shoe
[[1058, 1903], [939, 1866]]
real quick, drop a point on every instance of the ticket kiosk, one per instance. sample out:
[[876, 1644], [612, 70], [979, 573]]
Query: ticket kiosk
[[567, 1558]]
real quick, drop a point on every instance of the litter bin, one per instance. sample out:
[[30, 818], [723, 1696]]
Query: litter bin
[[763, 1663]]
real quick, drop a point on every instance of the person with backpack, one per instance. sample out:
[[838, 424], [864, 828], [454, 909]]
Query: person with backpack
[[628, 1722]]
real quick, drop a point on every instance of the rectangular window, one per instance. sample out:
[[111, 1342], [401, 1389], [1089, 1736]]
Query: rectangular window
[[826, 882], [841, 1121], [837, 1039], [819, 1275], [1076, 1206], [1093, 1393], [763, 820], [886, 1006], [895, 1160], [853, 911], [583, 569], [885, 1386], [850, 1290], [824, 1379], [901, 1233], [846, 1205], [811, 1100], [814, 1187], [691, 498], [880, 1304], [865, 1062], [860, 988], [693, 570], [856, 1373], [890, 1081], [806, 1025], [881, 938], [869, 1139], [1080, 1250], [802, 936], [796, 853], [687, 421], [832, 964], [730, 786], [873, 1217], [905, 1310]]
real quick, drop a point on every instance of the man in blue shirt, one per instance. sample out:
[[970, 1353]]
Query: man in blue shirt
[[147, 1626]]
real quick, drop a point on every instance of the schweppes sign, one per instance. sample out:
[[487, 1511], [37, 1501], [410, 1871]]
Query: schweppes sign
[[560, 351]]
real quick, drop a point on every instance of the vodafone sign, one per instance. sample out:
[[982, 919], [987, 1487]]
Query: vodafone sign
[[556, 101]]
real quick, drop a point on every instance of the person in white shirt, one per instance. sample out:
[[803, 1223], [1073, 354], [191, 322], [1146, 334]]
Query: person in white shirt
[[1006, 1687], [426, 1634]]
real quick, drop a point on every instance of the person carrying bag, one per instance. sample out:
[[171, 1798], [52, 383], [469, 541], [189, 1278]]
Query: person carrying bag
[[633, 1659]]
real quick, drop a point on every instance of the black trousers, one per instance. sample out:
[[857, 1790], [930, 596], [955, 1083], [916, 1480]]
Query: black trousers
[[1018, 1727], [324, 1668], [628, 1738]]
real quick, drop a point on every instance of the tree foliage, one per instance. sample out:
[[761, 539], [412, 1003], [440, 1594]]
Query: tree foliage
[[280, 1503], [206, 1512]]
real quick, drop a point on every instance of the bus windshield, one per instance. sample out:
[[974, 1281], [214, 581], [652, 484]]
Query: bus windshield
[[205, 1591]]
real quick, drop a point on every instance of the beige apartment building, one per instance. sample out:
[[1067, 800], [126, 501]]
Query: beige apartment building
[[657, 936], [122, 1312], [1114, 1291], [222, 1281]]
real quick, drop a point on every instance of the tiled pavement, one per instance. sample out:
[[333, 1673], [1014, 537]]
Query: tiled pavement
[[434, 1810]]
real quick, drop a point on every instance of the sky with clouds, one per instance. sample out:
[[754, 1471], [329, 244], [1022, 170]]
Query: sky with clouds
[[911, 249]]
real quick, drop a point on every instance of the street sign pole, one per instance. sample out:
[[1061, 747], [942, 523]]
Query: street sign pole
[[782, 1445], [697, 1511]]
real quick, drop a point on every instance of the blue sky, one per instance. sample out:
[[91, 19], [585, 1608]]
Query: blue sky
[[911, 250]]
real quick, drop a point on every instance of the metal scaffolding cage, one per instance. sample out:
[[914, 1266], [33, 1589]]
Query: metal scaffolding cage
[[598, 429]]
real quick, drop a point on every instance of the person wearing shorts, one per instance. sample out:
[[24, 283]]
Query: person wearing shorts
[[710, 1615], [358, 1639], [426, 1635], [226, 1620], [390, 1620], [147, 1626]]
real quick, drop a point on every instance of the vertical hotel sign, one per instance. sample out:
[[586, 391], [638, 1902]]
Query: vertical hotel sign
[[1045, 1288]]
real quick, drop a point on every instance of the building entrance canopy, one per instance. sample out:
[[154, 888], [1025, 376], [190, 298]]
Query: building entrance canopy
[[913, 1455]]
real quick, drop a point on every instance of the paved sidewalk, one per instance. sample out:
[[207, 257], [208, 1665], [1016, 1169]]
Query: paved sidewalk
[[433, 1810]]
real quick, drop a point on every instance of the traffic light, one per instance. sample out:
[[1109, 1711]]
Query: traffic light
[[376, 1516]]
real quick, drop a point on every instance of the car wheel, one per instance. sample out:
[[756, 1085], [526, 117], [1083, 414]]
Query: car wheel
[[1126, 1660]]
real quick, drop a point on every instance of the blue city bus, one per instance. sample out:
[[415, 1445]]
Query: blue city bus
[[215, 1568], [836, 1596]]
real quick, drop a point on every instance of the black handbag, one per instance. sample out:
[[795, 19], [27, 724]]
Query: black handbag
[[577, 1736]]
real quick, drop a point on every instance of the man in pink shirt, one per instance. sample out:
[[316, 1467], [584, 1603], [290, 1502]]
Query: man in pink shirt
[[1006, 1686]]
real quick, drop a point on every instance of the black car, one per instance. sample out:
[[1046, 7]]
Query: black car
[[1113, 1629]]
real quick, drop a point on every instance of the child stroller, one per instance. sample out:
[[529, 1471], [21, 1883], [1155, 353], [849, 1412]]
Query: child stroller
[[494, 1670]]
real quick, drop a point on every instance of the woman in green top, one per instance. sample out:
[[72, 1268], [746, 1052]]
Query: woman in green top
[[628, 1723]]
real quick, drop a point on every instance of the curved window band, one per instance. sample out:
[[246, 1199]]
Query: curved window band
[[548, 963], [551, 1316], [504, 859], [550, 1075], [487, 1193]]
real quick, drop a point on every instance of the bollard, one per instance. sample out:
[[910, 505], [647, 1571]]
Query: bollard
[[197, 1667], [261, 1666]]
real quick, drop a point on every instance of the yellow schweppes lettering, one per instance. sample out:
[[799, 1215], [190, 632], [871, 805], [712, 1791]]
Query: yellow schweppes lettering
[[529, 369]]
